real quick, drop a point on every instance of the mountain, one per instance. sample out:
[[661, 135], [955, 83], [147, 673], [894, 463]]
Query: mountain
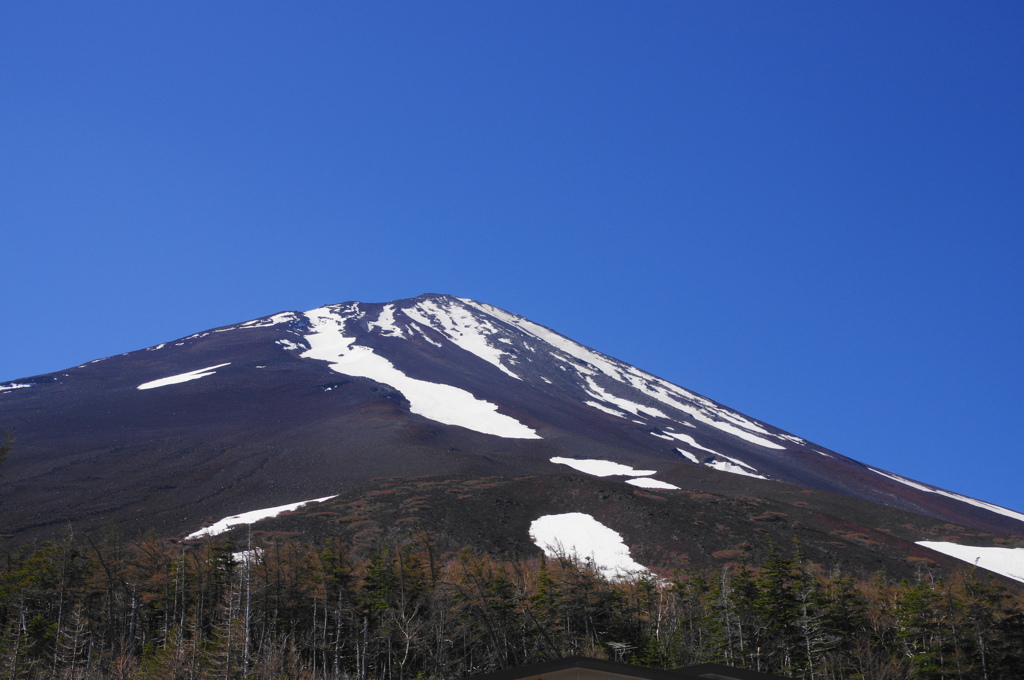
[[451, 416]]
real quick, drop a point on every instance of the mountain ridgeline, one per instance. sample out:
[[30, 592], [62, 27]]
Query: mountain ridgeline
[[451, 416]]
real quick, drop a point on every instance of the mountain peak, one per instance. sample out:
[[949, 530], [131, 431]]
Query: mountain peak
[[310, 404]]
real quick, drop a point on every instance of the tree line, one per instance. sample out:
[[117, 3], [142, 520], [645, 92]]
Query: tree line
[[155, 610]]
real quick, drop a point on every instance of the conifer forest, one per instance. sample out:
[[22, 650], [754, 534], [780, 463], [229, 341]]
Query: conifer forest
[[152, 609]]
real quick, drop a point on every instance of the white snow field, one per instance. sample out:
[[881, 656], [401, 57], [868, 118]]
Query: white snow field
[[688, 456], [463, 328], [600, 468], [733, 465], [443, 403], [591, 365], [579, 534], [269, 321], [607, 468], [741, 469], [182, 377], [648, 483], [250, 517], [480, 329], [1006, 561], [687, 439], [991, 507]]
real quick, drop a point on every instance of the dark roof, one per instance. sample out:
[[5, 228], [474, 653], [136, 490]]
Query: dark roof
[[584, 662], [707, 671], [717, 671]]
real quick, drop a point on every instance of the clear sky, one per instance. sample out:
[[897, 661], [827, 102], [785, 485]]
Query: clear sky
[[808, 211]]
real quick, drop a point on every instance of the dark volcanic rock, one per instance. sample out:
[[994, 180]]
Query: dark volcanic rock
[[456, 394]]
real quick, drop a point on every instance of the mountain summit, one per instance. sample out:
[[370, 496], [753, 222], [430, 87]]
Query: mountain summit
[[359, 400]]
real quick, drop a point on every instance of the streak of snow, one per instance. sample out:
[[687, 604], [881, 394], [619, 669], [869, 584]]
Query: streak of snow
[[730, 464], [687, 439], [580, 535], [598, 406], [426, 337], [735, 431], [14, 386], [725, 466], [283, 317], [600, 468], [689, 456], [181, 377], [648, 483], [250, 517], [160, 346], [386, 323], [624, 404], [545, 334], [443, 403], [1006, 561], [461, 327], [649, 385], [991, 507], [741, 467]]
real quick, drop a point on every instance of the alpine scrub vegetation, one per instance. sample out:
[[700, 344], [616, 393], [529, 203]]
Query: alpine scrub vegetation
[[158, 610]]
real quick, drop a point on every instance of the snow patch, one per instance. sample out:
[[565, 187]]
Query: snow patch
[[600, 468], [589, 363], [288, 344], [442, 403], [598, 406], [274, 320], [648, 483], [426, 337], [689, 456], [580, 535], [462, 328], [14, 386], [732, 465], [597, 392], [250, 517], [725, 466], [386, 323], [182, 377], [734, 430], [1008, 562], [687, 439]]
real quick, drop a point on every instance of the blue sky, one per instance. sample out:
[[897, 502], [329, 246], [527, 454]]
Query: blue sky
[[808, 211]]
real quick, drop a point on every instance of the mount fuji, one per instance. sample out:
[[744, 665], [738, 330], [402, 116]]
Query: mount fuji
[[449, 416]]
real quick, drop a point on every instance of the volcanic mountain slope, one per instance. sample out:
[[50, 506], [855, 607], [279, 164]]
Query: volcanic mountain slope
[[336, 400]]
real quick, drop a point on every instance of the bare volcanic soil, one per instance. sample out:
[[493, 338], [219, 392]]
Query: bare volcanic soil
[[451, 419], [667, 529]]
